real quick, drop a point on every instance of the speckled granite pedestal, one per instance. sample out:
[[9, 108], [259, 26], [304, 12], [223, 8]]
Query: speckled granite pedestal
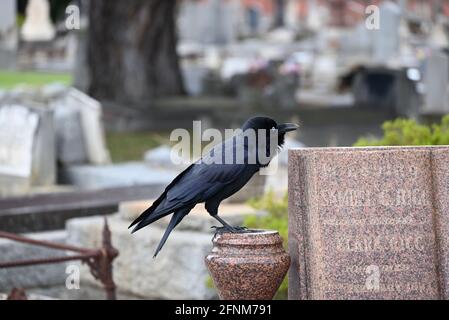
[[247, 266], [369, 223]]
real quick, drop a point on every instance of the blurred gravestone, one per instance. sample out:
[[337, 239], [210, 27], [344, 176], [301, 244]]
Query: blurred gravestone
[[81, 76], [369, 223], [17, 135], [70, 141], [356, 43], [438, 37], [44, 156], [27, 156], [386, 39], [193, 75], [407, 99], [209, 22], [374, 87], [80, 133], [162, 157], [436, 79], [253, 16], [284, 90], [189, 21], [116, 175], [8, 34], [37, 25]]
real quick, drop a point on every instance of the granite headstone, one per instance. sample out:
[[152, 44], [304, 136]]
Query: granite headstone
[[369, 223]]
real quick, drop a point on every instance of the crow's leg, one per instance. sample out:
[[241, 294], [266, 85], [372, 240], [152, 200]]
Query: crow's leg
[[212, 208], [227, 226]]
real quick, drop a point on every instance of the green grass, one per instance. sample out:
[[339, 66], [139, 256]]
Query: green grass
[[10, 79], [130, 146]]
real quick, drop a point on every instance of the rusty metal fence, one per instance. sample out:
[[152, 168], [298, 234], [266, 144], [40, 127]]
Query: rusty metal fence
[[99, 260]]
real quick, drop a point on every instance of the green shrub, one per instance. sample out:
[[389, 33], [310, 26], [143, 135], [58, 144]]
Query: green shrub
[[407, 132], [275, 219]]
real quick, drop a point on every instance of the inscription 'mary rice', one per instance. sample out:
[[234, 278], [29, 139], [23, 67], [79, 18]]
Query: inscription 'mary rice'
[[369, 223]]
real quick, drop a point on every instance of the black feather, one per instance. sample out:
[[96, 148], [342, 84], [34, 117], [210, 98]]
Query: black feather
[[208, 180]]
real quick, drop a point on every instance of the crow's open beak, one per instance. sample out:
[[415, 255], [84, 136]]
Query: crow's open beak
[[286, 127]]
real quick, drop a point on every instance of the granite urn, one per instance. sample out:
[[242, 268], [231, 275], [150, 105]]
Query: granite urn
[[249, 265]]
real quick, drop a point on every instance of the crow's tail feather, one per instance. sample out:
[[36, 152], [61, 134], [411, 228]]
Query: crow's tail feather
[[175, 219], [159, 203], [158, 210], [147, 212], [148, 219]]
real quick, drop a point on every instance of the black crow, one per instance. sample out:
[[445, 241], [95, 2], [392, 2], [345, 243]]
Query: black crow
[[217, 175]]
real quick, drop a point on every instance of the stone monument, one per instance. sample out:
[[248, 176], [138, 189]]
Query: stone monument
[[8, 34], [27, 155], [208, 22], [386, 40], [369, 223], [37, 25], [436, 79], [81, 137], [438, 36]]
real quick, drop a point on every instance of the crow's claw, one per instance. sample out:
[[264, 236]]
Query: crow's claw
[[220, 229], [236, 229]]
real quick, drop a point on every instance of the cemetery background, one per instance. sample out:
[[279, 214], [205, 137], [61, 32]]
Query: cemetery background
[[82, 137]]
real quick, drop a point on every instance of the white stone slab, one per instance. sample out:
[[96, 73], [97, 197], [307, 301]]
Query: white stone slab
[[18, 126]]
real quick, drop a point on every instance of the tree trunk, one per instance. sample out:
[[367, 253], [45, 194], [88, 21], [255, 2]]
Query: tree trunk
[[132, 50]]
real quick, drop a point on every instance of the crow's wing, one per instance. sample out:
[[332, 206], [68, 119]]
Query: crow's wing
[[198, 183], [209, 175], [161, 198]]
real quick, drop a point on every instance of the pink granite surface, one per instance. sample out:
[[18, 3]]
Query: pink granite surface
[[369, 223], [247, 266]]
